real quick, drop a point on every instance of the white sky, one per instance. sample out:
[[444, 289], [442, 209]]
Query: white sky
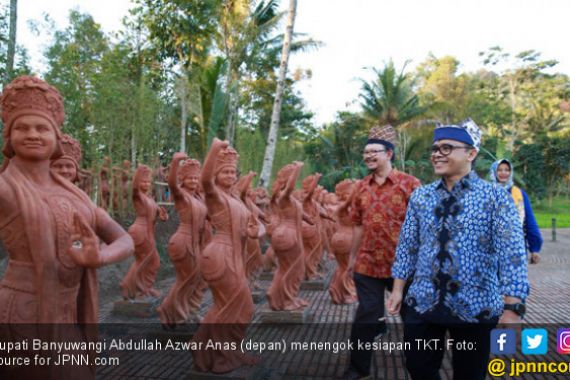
[[365, 33]]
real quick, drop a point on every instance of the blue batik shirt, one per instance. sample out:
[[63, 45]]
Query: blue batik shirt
[[465, 250]]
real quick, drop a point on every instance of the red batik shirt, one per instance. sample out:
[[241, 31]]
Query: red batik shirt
[[381, 211]]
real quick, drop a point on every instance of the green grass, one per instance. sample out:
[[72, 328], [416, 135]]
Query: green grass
[[560, 209]]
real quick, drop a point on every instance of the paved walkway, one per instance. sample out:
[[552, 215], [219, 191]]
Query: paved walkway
[[549, 302]]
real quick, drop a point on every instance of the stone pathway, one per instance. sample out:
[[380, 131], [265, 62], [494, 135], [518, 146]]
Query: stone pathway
[[548, 303]]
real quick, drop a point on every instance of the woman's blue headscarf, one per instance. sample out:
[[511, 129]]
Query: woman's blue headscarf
[[493, 173]]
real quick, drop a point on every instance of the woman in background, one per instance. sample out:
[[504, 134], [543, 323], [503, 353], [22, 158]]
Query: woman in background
[[502, 173]]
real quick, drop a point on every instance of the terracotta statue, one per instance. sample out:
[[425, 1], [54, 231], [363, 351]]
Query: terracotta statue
[[116, 189], [67, 165], [342, 289], [49, 227], [185, 246], [312, 238], [140, 278], [326, 223], [262, 200], [86, 181], [253, 258], [287, 242], [160, 174], [223, 264], [125, 186], [104, 188]]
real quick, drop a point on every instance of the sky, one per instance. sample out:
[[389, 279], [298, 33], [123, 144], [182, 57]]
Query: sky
[[360, 34]]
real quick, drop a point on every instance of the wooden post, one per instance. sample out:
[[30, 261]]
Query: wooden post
[[553, 229]]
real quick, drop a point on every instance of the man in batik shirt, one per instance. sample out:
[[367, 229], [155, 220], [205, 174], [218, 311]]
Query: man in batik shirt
[[462, 244], [378, 211]]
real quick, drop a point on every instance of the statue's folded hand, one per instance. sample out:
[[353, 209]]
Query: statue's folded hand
[[84, 249]]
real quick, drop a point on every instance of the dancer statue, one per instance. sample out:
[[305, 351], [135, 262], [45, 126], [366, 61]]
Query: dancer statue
[[253, 257], [140, 278], [312, 237], [223, 264], [287, 242], [104, 188], [341, 288], [50, 230], [185, 246], [67, 165], [86, 181], [125, 178]]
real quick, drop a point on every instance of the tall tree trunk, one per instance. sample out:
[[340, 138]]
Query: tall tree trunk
[[183, 96], [275, 116], [233, 96], [133, 149], [512, 96], [11, 41], [183, 120]]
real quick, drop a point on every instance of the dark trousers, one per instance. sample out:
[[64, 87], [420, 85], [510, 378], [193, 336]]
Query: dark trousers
[[424, 363], [366, 325]]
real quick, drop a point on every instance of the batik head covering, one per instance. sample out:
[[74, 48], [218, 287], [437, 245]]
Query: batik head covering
[[493, 173], [466, 131], [385, 135]]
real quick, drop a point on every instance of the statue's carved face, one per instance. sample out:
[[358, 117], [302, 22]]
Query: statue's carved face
[[65, 168], [145, 183], [190, 182], [226, 177], [33, 137]]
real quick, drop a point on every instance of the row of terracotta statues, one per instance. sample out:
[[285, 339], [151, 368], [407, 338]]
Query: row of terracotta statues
[[56, 236], [109, 185], [217, 245]]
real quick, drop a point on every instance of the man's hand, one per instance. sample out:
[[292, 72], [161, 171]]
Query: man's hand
[[510, 316], [394, 302]]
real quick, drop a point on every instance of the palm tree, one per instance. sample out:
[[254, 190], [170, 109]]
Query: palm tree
[[247, 37], [389, 98], [242, 30], [272, 138]]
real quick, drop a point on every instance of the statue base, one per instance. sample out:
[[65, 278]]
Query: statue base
[[266, 276], [316, 284], [242, 373], [181, 333], [258, 296], [137, 308], [268, 315]]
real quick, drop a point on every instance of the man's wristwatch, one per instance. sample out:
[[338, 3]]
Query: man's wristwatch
[[518, 308]]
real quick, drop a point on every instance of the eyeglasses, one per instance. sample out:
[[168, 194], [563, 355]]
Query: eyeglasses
[[373, 151], [446, 149]]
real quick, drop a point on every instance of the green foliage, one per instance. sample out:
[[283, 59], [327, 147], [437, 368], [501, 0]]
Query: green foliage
[[556, 164], [558, 207], [389, 98], [530, 160], [122, 99], [182, 31], [74, 59], [336, 152]]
